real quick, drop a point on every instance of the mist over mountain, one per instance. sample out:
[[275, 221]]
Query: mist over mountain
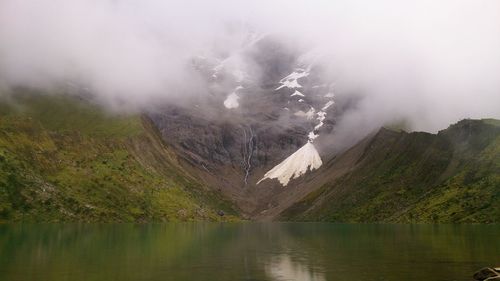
[[428, 63]]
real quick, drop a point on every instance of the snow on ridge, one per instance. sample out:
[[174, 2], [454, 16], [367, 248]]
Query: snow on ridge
[[312, 136], [305, 159], [291, 82], [299, 73], [297, 93], [327, 105], [321, 118]]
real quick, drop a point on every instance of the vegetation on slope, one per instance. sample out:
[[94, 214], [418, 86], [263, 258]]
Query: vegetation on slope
[[65, 159], [453, 176]]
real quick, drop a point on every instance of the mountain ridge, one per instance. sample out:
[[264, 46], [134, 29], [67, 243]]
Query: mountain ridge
[[451, 176], [63, 158]]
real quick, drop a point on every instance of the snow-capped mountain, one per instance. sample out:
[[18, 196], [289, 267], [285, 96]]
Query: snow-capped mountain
[[255, 133]]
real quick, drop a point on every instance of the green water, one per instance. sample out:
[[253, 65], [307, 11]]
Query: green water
[[246, 251]]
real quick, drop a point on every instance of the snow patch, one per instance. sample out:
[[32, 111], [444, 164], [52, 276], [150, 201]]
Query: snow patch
[[297, 93], [312, 136], [291, 82], [232, 101], [297, 164], [298, 73], [321, 118], [327, 105]]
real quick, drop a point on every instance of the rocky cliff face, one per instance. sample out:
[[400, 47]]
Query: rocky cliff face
[[250, 121]]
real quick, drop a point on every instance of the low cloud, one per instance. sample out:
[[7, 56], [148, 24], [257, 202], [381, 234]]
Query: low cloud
[[427, 62]]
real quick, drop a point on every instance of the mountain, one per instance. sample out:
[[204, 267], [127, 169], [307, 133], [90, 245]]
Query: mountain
[[236, 135], [394, 176], [264, 142], [64, 158], [258, 142]]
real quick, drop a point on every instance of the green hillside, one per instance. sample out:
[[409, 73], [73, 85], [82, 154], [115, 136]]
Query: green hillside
[[65, 159], [452, 176]]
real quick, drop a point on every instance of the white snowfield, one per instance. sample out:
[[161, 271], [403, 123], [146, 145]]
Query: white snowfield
[[297, 164]]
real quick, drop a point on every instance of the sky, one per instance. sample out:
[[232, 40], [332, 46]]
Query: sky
[[431, 63]]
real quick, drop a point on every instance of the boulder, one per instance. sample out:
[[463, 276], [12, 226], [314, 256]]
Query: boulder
[[486, 274]]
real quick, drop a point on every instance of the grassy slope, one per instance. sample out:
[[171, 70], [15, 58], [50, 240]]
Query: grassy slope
[[453, 176], [63, 159]]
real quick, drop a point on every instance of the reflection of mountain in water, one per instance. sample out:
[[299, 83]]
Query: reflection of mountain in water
[[246, 252], [282, 267]]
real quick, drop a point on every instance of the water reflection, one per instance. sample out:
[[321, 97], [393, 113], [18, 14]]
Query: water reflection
[[248, 251], [283, 268]]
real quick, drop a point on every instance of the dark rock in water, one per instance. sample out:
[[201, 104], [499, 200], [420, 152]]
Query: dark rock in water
[[486, 274], [220, 213]]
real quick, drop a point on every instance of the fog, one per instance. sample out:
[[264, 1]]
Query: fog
[[429, 63]]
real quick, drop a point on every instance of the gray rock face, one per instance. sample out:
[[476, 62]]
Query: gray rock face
[[261, 130], [232, 148], [215, 144]]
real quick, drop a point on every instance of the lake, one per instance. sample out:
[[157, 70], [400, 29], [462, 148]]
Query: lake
[[245, 251]]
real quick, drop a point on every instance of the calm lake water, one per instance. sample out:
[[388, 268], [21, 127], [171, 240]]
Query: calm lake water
[[246, 251]]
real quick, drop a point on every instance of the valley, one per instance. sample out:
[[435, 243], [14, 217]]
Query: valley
[[64, 159]]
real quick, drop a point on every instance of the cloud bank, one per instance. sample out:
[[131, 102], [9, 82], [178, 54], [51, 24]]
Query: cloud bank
[[429, 62]]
